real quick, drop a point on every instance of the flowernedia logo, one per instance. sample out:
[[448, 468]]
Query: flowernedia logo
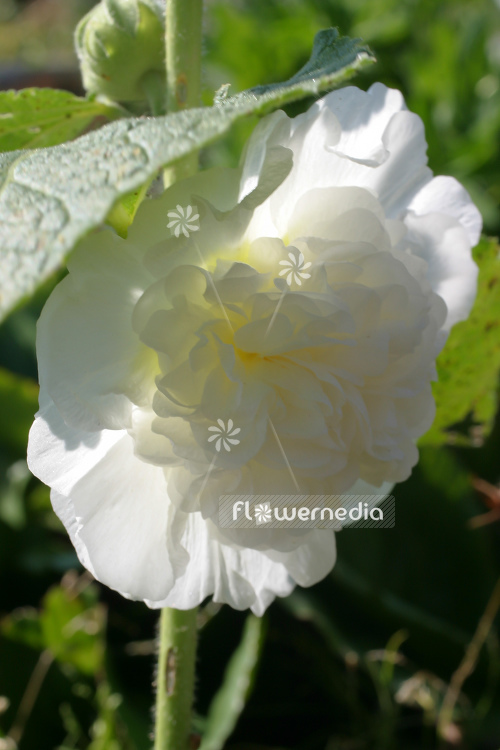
[[306, 511]]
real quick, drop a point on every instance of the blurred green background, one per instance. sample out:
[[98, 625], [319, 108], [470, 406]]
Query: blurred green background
[[365, 659]]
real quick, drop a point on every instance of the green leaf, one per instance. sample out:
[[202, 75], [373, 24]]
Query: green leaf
[[23, 626], [230, 700], [72, 630], [50, 198], [334, 59], [18, 404], [33, 118], [70, 626], [469, 364]]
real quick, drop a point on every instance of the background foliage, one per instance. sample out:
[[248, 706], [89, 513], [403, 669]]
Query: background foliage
[[366, 658]]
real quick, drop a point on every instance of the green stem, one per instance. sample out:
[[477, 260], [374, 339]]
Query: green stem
[[175, 679], [183, 59]]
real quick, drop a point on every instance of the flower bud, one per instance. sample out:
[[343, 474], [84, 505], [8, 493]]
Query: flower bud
[[118, 43]]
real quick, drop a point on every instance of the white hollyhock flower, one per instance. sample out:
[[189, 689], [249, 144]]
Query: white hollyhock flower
[[150, 341]]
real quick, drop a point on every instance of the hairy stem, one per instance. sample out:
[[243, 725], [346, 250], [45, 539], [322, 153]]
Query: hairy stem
[[183, 60], [175, 679]]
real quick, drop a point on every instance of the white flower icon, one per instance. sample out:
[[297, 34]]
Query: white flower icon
[[223, 435], [295, 268], [182, 220], [262, 513]]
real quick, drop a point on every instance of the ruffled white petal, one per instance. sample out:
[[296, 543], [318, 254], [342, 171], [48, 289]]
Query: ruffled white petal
[[114, 505], [312, 560], [444, 244], [369, 140], [242, 577], [126, 532], [91, 363], [60, 455], [363, 118], [350, 138], [447, 196], [267, 135]]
